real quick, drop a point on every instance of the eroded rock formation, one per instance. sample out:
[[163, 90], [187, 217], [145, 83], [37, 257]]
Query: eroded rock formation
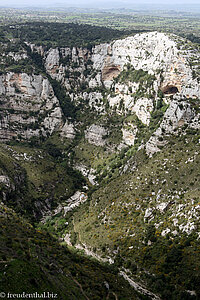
[[30, 108]]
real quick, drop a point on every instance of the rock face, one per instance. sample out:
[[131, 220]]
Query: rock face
[[110, 71], [157, 54], [143, 108], [129, 135], [94, 134], [28, 105], [112, 103], [95, 77], [176, 116], [5, 180], [150, 52], [68, 131], [52, 61]]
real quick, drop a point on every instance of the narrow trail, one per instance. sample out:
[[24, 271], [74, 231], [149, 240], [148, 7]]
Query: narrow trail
[[116, 297], [138, 287], [80, 286]]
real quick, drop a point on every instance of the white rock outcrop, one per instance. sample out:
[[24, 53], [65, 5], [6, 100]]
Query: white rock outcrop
[[152, 52], [129, 135], [68, 131], [29, 106], [94, 134], [176, 116]]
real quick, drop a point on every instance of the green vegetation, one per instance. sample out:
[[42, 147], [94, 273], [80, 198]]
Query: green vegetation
[[68, 108], [40, 178], [116, 214], [132, 75], [61, 34], [31, 260], [143, 211], [180, 23]]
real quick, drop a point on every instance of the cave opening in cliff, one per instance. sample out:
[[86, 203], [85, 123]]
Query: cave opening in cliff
[[110, 72], [170, 90]]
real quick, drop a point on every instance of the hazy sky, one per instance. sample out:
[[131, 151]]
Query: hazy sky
[[98, 3]]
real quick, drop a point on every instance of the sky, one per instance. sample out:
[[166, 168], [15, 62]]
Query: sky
[[102, 3]]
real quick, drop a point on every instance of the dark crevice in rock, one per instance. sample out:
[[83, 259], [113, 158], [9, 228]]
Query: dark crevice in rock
[[110, 71], [170, 90]]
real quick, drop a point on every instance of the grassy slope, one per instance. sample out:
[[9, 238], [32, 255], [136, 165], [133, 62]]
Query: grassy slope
[[114, 218], [40, 178], [113, 222], [31, 260]]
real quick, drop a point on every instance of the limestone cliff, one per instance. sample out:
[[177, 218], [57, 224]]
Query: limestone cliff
[[28, 105], [166, 68], [128, 76], [111, 107]]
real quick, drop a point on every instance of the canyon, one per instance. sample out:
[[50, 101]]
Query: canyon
[[100, 147]]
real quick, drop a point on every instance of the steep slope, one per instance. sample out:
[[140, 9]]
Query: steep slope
[[126, 87], [32, 261], [132, 76], [126, 115], [146, 220], [33, 181], [28, 105]]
